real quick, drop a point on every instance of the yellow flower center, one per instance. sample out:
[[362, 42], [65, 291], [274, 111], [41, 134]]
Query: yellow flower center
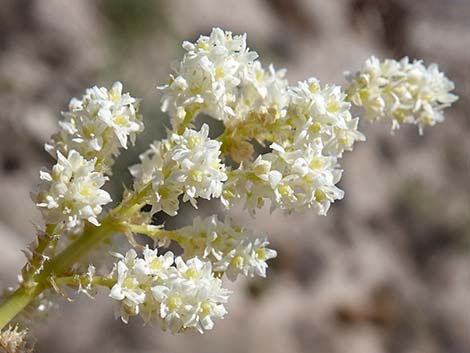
[[191, 273], [114, 95], [238, 261], [203, 45], [206, 308], [86, 191], [333, 106], [316, 163], [344, 140], [120, 120], [196, 175], [316, 127], [284, 190], [364, 94], [175, 302], [164, 192], [261, 253], [156, 264], [428, 120], [193, 141], [399, 115], [314, 87], [320, 196], [219, 72], [130, 283]]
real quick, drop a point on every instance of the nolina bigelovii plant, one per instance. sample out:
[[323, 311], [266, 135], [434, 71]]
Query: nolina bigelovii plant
[[307, 127]]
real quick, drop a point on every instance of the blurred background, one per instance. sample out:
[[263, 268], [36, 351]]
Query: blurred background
[[387, 271]]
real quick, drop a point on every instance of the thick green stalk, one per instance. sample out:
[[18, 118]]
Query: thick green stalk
[[16, 302], [154, 232], [90, 238], [23, 296], [113, 222]]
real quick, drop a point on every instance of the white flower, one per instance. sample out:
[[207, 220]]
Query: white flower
[[311, 128], [207, 78], [200, 169], [401, 92], [187, 164], [71, 192], [231, 249], [249, 258], [260, 110], [98, 125], [155, 265], [260, 93], [293, 178], [182, 297], [322, 112], [130, 285]]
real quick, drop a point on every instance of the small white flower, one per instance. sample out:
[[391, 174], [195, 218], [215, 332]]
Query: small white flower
[[249, 258], [231, 249], [401, 92], [200, 168], [192, 299], [98, 125], [208, 77], [155, 265], [130, 285], [322, 112], [119, 113], [179, 295], [187, 165], [71, 192], [292, 178]]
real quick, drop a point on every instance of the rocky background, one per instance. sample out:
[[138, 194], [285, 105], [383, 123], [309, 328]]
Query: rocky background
[[387, 271]]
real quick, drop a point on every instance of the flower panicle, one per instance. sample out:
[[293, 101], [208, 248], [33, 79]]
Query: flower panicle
[[281, 147], [93, 131], [178, 295], [401, 91], [98, 125]]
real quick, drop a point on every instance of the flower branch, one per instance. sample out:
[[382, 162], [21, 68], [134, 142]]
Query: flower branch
[[305, 127]]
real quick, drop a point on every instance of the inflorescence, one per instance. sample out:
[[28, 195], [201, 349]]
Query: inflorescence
[[401, 92], [301, 129]]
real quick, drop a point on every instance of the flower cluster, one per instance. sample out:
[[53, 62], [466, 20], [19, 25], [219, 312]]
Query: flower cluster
[[220, 76], [231, 249], [70, 193], [302, 169], [260, 111], [307, 126], [179, 295], [304, 130], [317, 112], [207, 78], [401, 92], [91, 134], [98, 125], [292, 179], [187, 164]]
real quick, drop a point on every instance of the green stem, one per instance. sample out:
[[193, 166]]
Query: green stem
[[113, 222], [16, 302], [187, 120], [154, 231], [44, 241], [91, 236], [23, 296]]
